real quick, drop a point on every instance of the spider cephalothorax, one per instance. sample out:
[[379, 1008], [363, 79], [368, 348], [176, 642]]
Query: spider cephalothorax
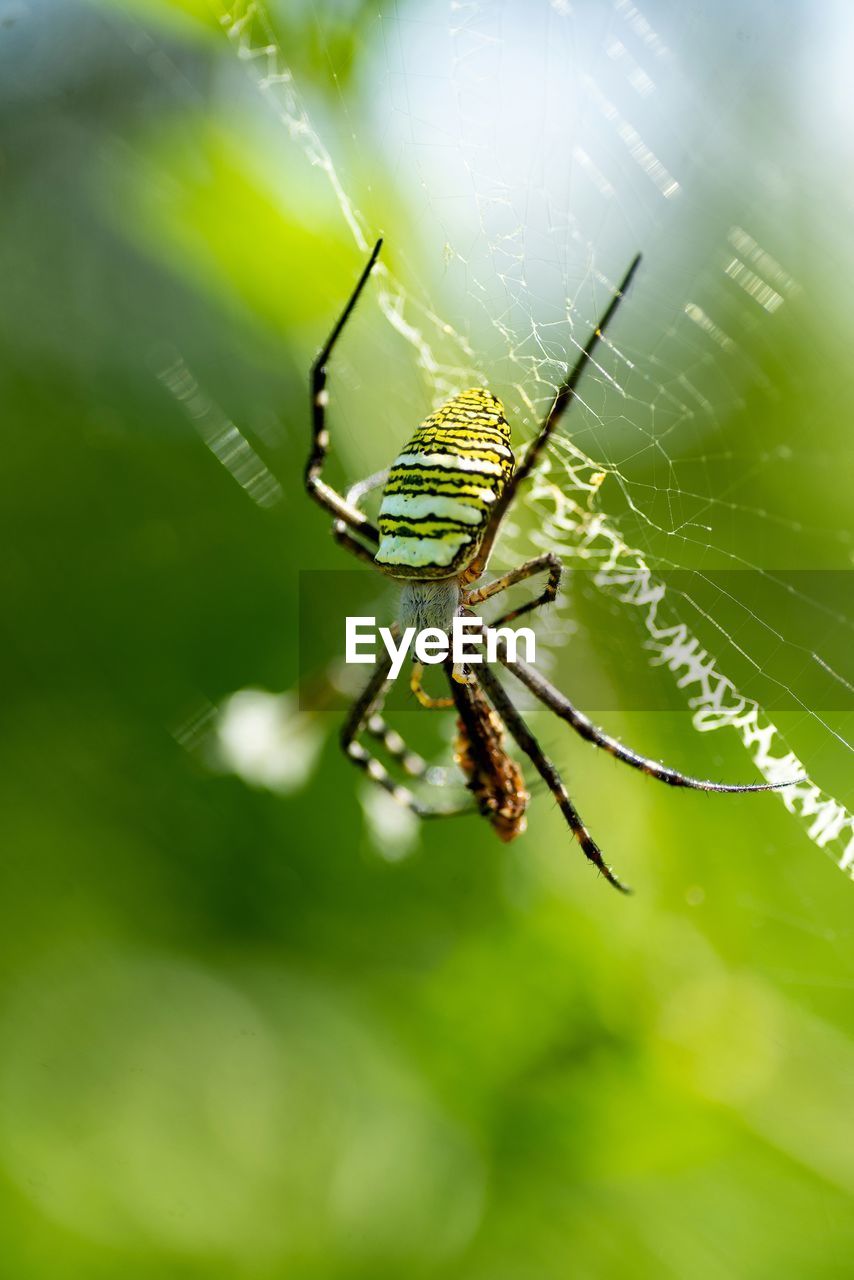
[[442, 504]]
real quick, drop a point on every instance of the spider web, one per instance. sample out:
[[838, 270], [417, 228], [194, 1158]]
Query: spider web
[[537, 147]]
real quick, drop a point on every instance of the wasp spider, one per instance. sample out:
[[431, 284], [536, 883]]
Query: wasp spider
[[443, 501]]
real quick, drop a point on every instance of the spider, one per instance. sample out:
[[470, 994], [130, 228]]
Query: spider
[[442, 503]]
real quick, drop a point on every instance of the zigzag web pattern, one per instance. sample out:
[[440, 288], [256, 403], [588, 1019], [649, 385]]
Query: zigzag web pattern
[[565, 492]]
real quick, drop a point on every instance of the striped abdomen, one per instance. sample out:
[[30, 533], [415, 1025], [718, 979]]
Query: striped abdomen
[[441, 489]]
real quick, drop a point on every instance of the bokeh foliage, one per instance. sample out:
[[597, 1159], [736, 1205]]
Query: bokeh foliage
[[238, 1039]]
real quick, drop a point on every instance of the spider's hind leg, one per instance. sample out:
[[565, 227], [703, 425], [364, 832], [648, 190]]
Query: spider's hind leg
[[349, 542], [540, 564], [317, 488], [353, 497]]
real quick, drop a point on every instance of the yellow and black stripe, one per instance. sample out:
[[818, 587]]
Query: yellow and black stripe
[[441, 489]]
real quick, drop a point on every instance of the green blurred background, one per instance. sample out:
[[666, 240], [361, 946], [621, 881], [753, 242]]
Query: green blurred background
[[252, 1024]]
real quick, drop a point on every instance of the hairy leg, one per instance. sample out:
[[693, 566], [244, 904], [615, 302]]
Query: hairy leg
[[317, 488], [519, 730], [353, 497], [562, 707], [540, 564], [563, 398], [367, 706]]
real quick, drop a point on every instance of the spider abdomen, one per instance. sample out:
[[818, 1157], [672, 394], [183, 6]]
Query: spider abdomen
[[440, 490]]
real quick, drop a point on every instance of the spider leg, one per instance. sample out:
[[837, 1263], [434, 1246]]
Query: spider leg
[[363, 710], [562, 707], [549, 561], [547, 771], [346, 539], [353, 497], [393, 743], [357, 491], [318, 489], [563, 397]]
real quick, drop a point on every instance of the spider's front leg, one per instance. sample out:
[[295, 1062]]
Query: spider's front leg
[[396, 746], [562, 707], [365, 710]]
